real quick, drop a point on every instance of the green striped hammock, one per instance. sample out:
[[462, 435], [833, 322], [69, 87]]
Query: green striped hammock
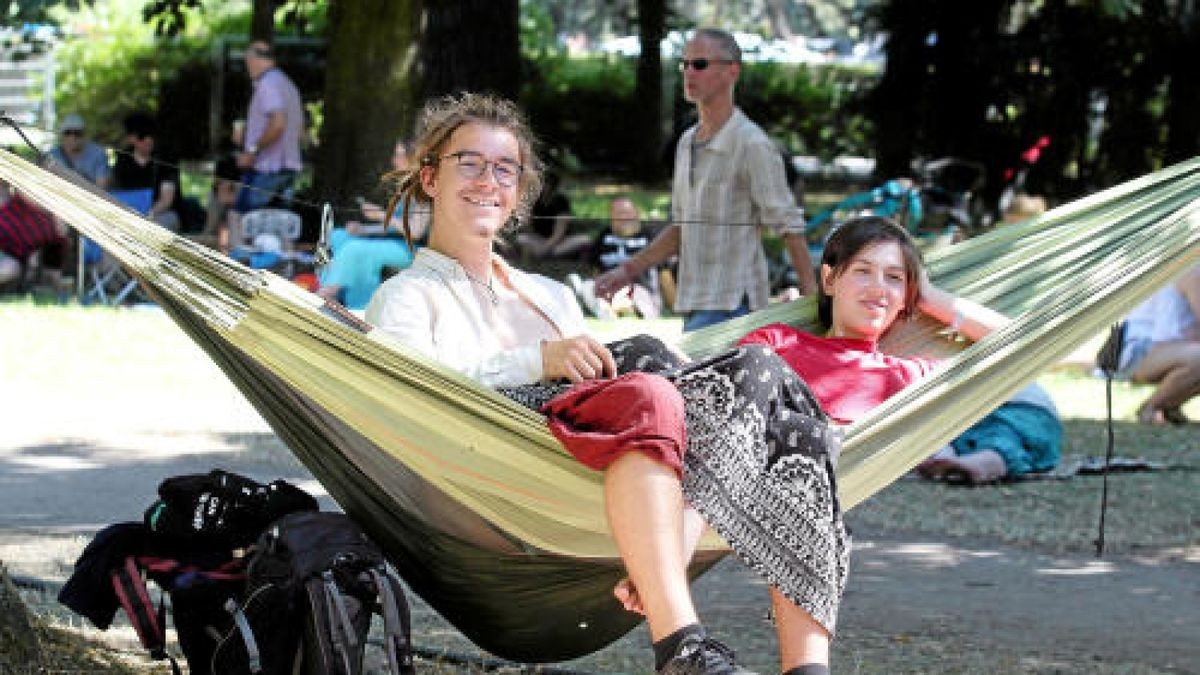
[[483, 512]]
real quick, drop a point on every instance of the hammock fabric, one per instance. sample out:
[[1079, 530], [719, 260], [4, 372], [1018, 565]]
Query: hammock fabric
[[484, 514]]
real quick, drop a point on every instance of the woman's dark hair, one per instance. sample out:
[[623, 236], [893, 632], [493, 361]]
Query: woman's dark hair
[[140, 124], [854, 236]]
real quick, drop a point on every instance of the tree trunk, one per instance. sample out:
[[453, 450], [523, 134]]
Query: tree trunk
[[648, 94], [962, 75], [471, 45], [1183, 94], [262, 20], [370, 86], [896, 103]]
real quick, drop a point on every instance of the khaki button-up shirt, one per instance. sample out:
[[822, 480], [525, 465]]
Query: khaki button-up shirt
[[735, 187]]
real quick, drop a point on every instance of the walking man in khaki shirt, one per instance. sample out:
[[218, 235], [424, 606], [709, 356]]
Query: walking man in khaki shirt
[[728, 185]]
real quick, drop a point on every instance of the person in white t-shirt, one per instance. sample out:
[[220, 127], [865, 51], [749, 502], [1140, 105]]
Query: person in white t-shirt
[[1162, 346]]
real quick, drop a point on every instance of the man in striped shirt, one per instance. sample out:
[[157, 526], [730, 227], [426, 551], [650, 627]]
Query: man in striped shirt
[[728, 185]]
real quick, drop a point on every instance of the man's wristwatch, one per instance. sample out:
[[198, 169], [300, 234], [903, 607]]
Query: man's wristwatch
[[252, 149]]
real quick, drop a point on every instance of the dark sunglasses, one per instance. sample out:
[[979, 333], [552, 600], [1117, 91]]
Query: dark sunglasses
[[73, 132], [700, 64]]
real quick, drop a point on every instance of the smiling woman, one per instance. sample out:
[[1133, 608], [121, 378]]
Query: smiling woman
[[459, 302]]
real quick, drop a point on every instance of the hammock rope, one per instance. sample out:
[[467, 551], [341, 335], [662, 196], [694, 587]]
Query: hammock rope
[[485, 515]]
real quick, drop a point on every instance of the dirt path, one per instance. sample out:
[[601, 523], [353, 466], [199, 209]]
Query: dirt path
[[913, 604], [1019, 604]]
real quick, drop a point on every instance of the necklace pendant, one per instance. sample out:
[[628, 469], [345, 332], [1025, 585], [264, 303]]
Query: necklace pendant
[[488, 288]]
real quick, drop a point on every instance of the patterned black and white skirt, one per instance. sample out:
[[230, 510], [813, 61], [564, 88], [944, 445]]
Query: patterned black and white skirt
[[758, 466]]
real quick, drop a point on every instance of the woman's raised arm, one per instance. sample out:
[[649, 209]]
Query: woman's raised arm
[[966, 317]]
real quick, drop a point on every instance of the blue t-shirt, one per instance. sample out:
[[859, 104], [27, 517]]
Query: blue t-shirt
[[92, 163], [358, 264]]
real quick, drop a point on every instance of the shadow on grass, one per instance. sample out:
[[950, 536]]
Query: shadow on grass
[[1152, 512]]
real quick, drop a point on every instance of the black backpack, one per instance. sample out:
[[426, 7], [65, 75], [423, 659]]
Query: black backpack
[[199, 594], [111, 575], [190, 544], [313, 582], [221, 510]]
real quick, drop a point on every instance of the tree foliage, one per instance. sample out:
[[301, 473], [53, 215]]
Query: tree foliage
[[1106, 80], [771, 18], [1110, 81], [118, 66]]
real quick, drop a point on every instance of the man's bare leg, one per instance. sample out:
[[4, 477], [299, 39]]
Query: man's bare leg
[[1175, 366], [644, 501], [693, 529]]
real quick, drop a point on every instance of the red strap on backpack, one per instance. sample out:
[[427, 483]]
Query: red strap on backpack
[[150, 625]]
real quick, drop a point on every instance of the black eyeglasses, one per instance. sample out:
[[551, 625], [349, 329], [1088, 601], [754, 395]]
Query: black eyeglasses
[[471, 166], [700, 64], [72, 132]]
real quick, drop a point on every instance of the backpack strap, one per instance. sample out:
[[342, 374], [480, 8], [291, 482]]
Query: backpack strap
[[396, 620], [253, 655], [130, 588], [344, 639]]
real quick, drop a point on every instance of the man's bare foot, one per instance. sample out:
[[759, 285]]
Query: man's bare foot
[[626, 593]]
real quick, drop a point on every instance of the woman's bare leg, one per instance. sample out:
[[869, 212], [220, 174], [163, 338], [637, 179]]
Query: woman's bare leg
[[802, 640]]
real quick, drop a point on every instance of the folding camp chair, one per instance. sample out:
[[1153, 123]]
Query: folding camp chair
[[269, 239], [102, 279]]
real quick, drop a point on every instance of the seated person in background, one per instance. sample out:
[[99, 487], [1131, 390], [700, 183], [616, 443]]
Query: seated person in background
[[377, 221], [365, 254], [1023, 435], [139, 169], [27, 231], [361, 263], [548, 234], [619, 243], [1162, 346], [1023, 207], [221, 198], [10, 269], [80, 155]]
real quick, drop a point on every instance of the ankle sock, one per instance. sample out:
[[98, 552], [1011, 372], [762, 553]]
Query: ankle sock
[[809, 669], [664, 649]]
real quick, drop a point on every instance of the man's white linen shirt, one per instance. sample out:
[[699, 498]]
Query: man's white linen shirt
[[431, 307]]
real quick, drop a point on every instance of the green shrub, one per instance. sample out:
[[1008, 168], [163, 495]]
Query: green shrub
[[580, 106], [813, 110]]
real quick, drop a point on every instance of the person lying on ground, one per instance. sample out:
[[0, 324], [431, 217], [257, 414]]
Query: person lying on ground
[[1022, 436]]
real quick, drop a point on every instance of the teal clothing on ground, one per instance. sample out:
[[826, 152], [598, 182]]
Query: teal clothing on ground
[[358, 264], [1025, 431]]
